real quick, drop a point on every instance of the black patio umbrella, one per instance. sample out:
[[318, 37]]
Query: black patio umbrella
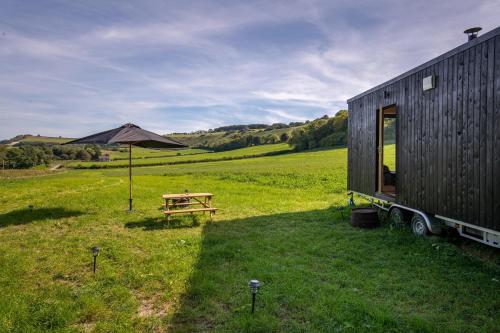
[[132, 135]]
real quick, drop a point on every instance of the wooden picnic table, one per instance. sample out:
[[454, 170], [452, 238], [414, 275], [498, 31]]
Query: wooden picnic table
[[173, 201]]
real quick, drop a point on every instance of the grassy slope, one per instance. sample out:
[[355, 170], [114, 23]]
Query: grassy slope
[[192, 140], [249, 151], [277, 222]]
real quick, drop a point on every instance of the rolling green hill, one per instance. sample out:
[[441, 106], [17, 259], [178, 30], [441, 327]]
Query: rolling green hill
[[222, 138], [320, 133], [211, 139], [195, 140]]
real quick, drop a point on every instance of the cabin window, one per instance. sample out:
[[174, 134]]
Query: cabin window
[[386, 173]]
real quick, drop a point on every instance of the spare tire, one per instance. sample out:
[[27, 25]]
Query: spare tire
[[364, 218]]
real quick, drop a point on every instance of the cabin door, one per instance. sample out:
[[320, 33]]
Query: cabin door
[[386, 146]]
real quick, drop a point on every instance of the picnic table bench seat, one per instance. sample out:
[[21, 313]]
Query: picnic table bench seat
[[194, 210], [179, 200]]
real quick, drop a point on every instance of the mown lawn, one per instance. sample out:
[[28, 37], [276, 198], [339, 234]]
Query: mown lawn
[[278, 222]]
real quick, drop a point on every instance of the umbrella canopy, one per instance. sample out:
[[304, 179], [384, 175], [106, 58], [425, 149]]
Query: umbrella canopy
[[132, 135], [129, 134]]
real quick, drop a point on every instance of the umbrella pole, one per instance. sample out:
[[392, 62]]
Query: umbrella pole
[[130, 175]]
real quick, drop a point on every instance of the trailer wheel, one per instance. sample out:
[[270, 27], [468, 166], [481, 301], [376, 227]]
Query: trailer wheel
[[382, 214], [397, 217], [418, 225]]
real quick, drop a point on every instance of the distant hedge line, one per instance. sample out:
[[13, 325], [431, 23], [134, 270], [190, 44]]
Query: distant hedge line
[[158, 156], [224, 158]]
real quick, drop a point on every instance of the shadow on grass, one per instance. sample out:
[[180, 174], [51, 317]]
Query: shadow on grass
[[151, 224], [27, 215], [320, 274]]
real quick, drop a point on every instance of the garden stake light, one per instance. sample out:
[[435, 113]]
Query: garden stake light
[[254, 288], [95, 253]]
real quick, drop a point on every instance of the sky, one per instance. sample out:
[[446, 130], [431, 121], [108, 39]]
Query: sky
[[72, 68]]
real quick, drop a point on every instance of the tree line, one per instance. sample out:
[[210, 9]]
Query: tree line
[[244, 128], [27, 155], [322, 132], [241, 140]]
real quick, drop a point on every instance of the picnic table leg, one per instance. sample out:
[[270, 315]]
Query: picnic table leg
[[167, 208]]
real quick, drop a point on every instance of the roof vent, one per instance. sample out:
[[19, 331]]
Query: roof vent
[[472, 32]]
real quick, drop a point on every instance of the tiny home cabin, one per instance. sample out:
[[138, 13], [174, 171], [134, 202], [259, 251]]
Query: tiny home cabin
[[426, 145]]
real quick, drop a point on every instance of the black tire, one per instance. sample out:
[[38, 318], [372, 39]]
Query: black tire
[[418, 225], [397, 217]]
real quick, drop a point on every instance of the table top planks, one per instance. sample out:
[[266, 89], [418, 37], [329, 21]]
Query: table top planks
[[187, 195]]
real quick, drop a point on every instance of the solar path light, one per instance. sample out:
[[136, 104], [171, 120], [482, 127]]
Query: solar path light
[[95, 253], [254, 288]]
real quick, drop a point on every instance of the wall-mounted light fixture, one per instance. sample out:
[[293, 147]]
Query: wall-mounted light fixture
[[429, 82]]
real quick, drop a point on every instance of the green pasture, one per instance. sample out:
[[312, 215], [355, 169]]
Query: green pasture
[[278, 221], [253, 151]]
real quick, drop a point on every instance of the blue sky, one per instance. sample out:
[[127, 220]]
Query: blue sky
[[73, 67]]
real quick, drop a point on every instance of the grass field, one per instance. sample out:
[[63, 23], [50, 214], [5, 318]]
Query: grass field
[[278, 222], [188, 158]]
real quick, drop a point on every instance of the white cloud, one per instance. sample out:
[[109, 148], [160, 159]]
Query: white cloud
[[283, 114], [172, 66]]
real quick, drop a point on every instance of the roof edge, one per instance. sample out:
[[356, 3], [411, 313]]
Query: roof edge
[[490, 34]]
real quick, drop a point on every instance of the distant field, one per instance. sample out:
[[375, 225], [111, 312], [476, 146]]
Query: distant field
[[26, 173], [278, 221], [46, 139], [138, 152], [192, 140], [232, 154]]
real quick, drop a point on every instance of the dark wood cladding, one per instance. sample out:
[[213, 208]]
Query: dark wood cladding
[[448, 152]]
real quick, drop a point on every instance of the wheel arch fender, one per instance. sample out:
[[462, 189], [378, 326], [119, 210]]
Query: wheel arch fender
[[416, 211]]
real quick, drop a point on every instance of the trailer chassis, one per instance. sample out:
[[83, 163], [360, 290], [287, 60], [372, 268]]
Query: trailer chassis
[[435, 223]]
